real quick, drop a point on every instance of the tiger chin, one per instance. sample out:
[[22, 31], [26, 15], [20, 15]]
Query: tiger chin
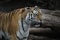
[[9, 21]]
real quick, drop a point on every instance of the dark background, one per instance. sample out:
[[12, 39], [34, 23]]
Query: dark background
[[43, 4]]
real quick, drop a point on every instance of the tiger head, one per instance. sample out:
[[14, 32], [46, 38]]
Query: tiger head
[[33, 16]]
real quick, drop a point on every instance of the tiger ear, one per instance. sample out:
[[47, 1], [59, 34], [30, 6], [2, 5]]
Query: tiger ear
[[36, 8]]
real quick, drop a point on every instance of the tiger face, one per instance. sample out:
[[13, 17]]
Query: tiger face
[[33, 16]]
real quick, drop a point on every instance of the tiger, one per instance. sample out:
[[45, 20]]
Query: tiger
[[15, 24]]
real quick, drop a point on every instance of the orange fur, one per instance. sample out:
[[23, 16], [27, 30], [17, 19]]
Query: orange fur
[[9, 21]]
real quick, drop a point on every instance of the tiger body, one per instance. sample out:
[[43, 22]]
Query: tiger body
[[9, 22]]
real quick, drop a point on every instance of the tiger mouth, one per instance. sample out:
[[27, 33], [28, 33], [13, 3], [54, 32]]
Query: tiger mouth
[[36, 24]]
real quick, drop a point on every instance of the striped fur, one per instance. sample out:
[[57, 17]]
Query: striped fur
[[9, 21]]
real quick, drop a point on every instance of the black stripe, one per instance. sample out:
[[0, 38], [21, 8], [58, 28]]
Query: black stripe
[[17, 37], [22, 24], [6, 37], [20, 32]]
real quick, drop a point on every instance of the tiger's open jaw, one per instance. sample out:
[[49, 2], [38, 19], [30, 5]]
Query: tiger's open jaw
[[36, 24]]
